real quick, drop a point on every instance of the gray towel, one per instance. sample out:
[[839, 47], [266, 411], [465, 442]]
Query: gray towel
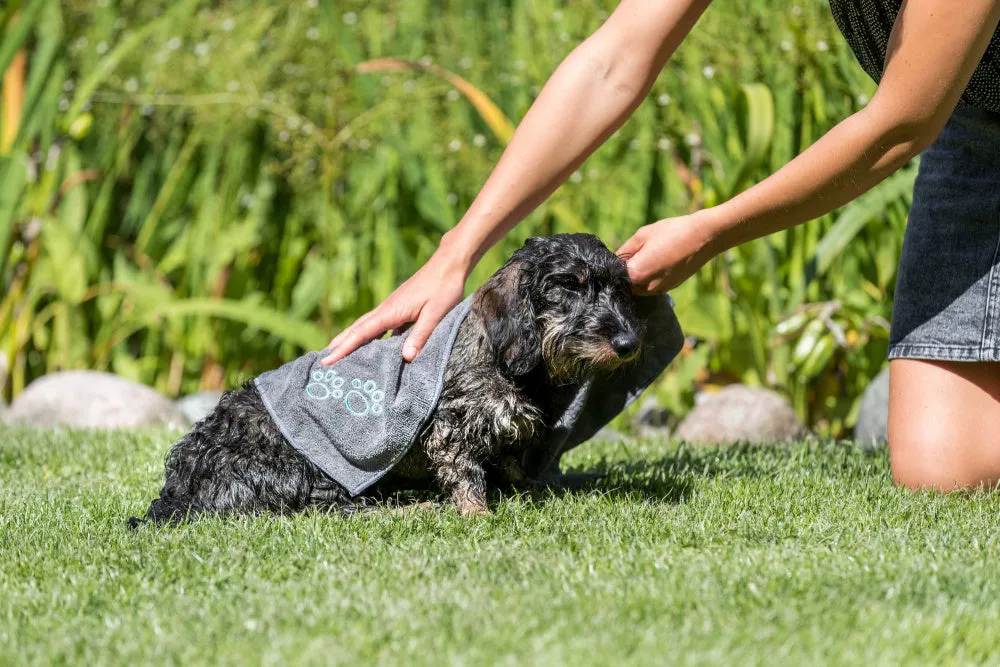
[[357, 418]]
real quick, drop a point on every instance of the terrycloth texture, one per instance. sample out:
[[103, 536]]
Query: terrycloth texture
[[357, 418]]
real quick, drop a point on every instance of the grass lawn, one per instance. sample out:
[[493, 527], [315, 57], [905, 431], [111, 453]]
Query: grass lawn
[[778, 554]]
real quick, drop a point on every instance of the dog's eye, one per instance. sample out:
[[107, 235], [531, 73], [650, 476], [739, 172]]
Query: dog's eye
[[569, 281]]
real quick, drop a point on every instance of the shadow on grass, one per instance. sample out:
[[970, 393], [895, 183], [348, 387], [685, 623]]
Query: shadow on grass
[[671, 477], [657, 480]]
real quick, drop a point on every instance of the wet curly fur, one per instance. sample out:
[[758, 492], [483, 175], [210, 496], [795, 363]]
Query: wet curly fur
[[559, 309]]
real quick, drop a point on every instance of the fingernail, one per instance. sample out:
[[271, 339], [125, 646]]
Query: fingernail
[[409, 351]]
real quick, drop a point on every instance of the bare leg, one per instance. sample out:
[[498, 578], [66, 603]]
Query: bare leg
[[944, 424]]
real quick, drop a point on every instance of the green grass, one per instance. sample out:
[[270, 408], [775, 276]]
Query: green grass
[[789, 555]]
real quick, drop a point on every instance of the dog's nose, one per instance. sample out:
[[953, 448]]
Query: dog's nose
[[625, 344]]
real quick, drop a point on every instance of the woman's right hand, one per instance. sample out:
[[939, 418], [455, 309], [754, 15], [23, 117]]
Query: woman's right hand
[[425, 299]]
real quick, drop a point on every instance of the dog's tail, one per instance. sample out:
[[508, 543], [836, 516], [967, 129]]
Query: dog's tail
[[164, 510]]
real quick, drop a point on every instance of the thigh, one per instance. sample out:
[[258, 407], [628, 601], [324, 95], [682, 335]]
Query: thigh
[[946, 305], [944, 423]]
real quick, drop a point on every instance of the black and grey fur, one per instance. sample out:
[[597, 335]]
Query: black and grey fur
[[559, 309]]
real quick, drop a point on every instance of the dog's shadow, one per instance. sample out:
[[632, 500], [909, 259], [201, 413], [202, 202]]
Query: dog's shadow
[[656, 481], [669, 478]]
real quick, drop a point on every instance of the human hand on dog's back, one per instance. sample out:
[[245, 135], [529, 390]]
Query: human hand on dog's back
[[425, 299]]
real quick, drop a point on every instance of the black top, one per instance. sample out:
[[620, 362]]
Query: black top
[[866, 25]]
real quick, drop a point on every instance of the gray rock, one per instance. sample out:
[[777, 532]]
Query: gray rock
[[89, 399], [196, 407], [872, 428], [701, 396], [652, 420], [738, 413], [608, 434]]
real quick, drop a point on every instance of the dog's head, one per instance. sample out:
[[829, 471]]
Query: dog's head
[[564, 301]]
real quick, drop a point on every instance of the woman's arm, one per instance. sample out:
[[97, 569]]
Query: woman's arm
[[590, 95], [934, 48]]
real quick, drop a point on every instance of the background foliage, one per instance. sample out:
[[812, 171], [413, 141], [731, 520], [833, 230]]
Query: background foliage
[[193, 192]]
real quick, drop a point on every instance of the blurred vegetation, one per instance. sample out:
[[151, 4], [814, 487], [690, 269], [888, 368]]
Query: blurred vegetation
[[193, 192]]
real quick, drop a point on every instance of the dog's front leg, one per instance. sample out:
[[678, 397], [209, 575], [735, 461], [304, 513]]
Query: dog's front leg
[[470, 501], [459, 474], [465, 479]]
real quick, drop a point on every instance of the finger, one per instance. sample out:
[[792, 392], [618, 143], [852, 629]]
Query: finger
[[637, 272], [348, 344], [421, 331], [640, 276], [632, 245], [359, 334], [332, 345], [350, 329], [649, 288]]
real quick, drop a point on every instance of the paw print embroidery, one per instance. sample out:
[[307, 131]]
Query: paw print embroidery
[[325, 385], [364, 398]]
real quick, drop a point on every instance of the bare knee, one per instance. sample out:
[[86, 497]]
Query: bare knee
[[943, 421], [932, 460]]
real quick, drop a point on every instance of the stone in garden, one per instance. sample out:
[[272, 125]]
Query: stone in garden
[[609, 435], [652, 420], [196, 407], [738, 413], [90, 399], [872, 427]]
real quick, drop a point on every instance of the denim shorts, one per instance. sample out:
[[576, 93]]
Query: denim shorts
[[947, 301]]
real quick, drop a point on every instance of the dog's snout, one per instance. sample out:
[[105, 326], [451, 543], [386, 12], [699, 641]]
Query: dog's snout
[[625, 344]]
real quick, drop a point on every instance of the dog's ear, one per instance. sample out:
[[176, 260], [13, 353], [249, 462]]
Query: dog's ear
[[504, 303]]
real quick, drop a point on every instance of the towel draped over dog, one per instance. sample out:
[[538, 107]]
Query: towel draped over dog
[[355, 419]]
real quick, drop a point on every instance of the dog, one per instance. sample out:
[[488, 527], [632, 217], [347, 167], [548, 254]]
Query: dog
[[559, 309]]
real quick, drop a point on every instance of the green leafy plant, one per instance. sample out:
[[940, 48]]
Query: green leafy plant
[[197, 192]]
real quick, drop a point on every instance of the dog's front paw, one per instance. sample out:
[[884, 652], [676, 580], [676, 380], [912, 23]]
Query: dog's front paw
[[471, 502]]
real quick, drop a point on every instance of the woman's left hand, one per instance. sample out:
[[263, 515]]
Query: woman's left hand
[[664, 254]]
